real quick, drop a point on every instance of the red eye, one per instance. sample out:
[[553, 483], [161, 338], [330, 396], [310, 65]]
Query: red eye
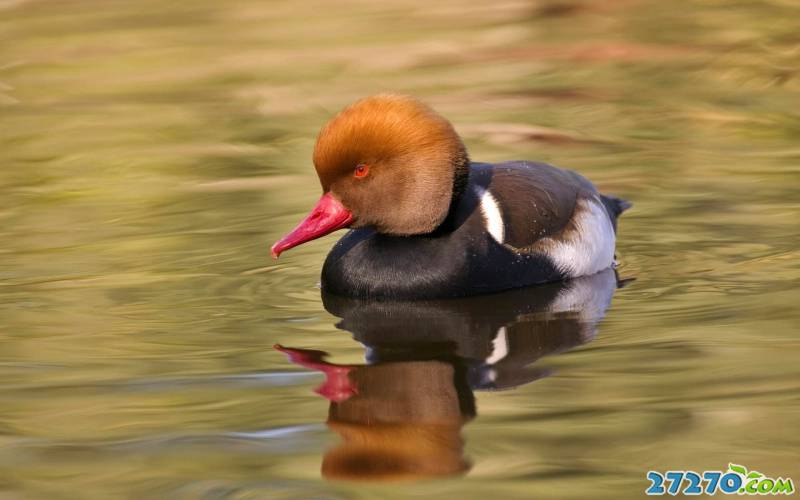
[[361, 170]]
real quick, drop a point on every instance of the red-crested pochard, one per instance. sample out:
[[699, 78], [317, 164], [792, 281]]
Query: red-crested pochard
[[401, 413], [428, 222]]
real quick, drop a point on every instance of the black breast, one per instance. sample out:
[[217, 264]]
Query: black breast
[[459, 259]]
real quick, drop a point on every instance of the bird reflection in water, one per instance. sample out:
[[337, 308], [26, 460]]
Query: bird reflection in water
[[400, 415]]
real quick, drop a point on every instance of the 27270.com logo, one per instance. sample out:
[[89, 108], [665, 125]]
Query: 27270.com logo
[[737, 480]]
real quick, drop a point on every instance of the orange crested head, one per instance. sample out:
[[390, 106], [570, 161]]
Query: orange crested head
[[388, 162]]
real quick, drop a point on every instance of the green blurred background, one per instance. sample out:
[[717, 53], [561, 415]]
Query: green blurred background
[[150, 152]]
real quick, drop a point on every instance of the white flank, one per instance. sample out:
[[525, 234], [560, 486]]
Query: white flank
[[589, 296], [499, 347], [590, 248], [491, 212]]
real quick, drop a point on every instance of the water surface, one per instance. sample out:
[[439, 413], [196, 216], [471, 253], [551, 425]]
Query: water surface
[[151, 153]]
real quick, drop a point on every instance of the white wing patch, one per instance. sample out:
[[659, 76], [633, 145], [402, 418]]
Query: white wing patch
[[491, 214], [589, 296], [499, 347], [590, 247]]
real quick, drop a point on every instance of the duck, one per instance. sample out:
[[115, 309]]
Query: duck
[[399, 420], [400, 414], [495, 337], [425, 221]]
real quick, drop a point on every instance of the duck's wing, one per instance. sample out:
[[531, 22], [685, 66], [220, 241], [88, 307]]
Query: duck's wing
[[537, 209], [533, 200]]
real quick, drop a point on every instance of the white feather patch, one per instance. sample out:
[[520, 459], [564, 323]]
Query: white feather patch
[[499, 347], [492, 214], [588, 298], [590, 248]]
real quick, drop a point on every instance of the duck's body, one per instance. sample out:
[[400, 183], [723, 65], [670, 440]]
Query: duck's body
[[515, 224], [401, 413], [429, 223]]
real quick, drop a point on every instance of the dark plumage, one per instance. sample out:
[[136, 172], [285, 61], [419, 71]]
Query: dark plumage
[[400, 415], [430, 223]]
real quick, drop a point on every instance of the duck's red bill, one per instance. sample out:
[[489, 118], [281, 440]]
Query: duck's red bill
[[327, 216], [337, 387]]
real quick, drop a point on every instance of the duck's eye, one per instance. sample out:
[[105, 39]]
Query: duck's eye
[[361, 170]]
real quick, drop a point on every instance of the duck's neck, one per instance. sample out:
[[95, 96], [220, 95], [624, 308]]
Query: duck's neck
[[460, 179], [460, 183]]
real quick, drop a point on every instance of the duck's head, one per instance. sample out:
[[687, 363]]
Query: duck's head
[[388, 162]]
